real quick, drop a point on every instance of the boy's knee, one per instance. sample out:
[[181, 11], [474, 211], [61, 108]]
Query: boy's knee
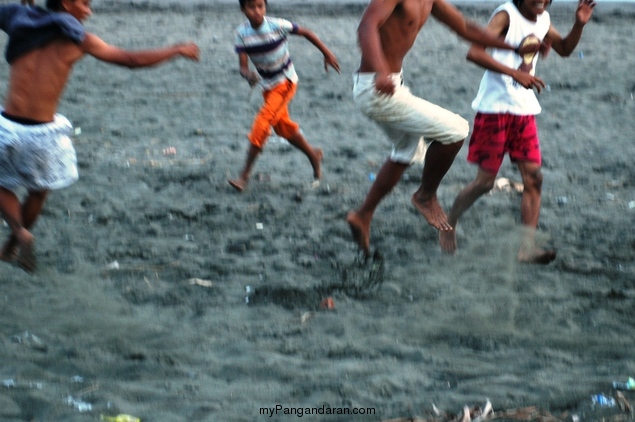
[[461, 130], [533, 179], [484, 182], [485, 185]]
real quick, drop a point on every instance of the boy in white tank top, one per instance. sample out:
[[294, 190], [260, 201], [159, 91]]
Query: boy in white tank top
[[506, 106]]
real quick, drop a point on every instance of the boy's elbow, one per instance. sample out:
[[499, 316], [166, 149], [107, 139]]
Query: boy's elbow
[[134, 62], [127, 60]]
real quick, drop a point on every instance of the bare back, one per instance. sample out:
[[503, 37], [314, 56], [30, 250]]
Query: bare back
[[38, 78], [398, 23]]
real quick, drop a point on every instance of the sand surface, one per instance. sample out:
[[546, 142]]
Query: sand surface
[[139, 305]]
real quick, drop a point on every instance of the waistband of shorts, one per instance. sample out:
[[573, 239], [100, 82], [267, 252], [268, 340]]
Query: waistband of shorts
[[368, 77], [59, 124]]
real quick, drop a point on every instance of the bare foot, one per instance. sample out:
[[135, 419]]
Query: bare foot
[[10, 250], [537, 256], [432, 212], [26, 257], [447, 241], [360, 231], [238, 184], [317, 168]]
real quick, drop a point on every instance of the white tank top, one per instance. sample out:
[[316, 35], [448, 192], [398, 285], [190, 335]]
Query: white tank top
[[500, 93]]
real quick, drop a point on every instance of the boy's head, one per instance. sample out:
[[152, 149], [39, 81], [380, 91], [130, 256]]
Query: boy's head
[[519, 2], [254, 10], [79, 9], [244, 2], [531, 9]]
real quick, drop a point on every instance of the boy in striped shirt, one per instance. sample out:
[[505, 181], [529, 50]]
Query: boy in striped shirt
[[263, 40]]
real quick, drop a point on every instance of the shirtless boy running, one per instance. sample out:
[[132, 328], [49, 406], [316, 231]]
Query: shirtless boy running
[[386, 33], [36, 152]]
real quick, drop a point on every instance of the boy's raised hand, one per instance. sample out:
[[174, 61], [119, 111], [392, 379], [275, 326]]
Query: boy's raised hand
[[584, 11]]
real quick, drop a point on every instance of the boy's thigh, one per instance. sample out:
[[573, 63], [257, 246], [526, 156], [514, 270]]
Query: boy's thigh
[[417, 118], [495, 135]]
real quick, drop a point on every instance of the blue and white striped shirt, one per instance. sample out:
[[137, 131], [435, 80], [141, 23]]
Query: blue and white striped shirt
[[268, 49]]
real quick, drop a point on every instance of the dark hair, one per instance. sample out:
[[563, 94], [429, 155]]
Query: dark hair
[[244, 2], [54, 4], [518, 2]]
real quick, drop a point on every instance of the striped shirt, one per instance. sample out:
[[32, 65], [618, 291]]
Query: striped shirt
[[268, 49]]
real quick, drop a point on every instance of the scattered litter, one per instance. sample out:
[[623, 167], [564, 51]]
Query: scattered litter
[[114, 265], [628, 385], [625, 406], [503, 184], [11, 383], [581, 54], [77, 379], [169, 151], [188, 237], [486, 413], [631, 205], [372, 177], [8, 383], [603, 401], [200, 282], [31, 340], [78, 131], [306, 316], [315, 184], [327, 303], [119, 418], [610, 196], [562, 200], [487, 409], [79, 405], [259, 226]]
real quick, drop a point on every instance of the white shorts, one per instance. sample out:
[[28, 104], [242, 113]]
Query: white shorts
[[37, 157], [409, 121]]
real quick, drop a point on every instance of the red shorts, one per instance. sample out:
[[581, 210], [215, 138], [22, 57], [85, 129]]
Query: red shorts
[[497, 134]]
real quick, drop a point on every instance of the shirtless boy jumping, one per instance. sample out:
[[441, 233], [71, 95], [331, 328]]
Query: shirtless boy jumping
[[386, 33], [36, 152]]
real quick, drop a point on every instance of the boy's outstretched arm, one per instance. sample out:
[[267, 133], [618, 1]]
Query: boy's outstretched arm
[[329, 57], [565, 46], [99, 49], [478, 55], [466, 29]]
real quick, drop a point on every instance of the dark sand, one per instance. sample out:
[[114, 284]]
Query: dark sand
[[139, 302]]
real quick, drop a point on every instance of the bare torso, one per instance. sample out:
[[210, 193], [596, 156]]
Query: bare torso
[[38, 79], [399, 32]]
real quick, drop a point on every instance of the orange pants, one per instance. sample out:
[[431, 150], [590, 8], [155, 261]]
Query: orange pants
[[274, 113]]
